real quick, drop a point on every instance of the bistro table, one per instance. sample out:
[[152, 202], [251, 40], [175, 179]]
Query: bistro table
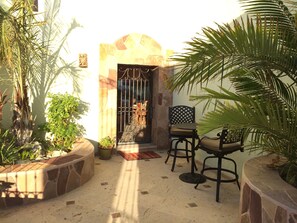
[[191, 177]]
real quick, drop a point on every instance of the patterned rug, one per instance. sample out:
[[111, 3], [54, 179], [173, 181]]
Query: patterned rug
[[139, 155]]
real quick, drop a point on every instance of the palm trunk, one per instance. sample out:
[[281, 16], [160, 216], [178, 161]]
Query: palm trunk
[[22, 117]]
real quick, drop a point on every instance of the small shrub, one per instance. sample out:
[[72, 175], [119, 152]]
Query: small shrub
[[9, 153], [63, 112], [30, 151]]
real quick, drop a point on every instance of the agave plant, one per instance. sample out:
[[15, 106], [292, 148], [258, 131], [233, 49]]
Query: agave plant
[[256, 55], [19, 47]]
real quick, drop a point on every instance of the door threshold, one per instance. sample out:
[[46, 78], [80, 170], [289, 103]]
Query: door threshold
[[136, 147]]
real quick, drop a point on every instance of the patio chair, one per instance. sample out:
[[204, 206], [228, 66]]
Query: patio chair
[[227, 142], [177, 115]]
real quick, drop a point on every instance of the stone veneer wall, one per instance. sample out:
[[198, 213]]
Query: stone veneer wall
[[49, 178], [134, 49], [265, 197]]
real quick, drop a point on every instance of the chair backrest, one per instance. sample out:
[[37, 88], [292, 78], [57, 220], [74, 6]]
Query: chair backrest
[[229, 136], [181, 114]]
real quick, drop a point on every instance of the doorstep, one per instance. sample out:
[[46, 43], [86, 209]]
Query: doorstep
[[136, 147]]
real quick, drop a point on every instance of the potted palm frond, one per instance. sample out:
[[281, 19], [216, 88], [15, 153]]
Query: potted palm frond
[[105, 147]]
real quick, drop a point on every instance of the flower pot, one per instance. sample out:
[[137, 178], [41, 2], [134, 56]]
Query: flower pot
[[105, 153]]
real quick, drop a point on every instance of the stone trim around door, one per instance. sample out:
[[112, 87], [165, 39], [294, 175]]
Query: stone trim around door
[[141, 50]]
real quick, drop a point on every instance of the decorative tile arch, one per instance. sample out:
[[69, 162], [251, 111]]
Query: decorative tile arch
[[134, 49]]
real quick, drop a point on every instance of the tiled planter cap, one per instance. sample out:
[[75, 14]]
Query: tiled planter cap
[[49, 178], [265, 197]]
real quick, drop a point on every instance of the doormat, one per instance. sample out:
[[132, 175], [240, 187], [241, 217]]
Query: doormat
[[139, 155]]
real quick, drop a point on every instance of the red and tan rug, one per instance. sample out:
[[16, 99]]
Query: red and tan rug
[[139, 155]]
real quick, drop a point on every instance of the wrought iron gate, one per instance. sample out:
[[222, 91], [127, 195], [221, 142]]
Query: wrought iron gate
[[134, 103]]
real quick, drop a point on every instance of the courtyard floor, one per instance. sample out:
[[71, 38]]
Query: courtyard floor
[[134, 191]]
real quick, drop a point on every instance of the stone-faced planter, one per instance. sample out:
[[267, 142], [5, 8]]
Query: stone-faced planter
[[48, 178], [265, 197]]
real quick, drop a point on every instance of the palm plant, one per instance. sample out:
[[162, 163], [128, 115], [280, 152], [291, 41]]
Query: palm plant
[[257, 55], [3, 101], [32, 62], [19, 48], [51, 65]]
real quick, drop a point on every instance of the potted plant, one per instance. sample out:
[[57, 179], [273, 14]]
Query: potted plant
[[105, 147]]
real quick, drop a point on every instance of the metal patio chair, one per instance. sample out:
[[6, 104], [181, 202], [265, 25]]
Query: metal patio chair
[[177, 115], [227, 142]]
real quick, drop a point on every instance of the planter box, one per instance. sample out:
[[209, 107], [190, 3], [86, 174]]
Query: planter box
[[49, 178], [265, 197]]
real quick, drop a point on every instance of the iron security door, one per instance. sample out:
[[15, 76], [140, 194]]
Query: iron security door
[[134, 103]]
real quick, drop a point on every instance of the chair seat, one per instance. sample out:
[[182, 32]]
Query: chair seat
[[214, 144], [180, 132]]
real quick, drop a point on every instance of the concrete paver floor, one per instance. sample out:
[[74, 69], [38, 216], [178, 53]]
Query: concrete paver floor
[[134, 191]]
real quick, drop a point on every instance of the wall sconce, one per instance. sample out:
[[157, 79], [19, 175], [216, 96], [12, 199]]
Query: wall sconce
[[83, 60]]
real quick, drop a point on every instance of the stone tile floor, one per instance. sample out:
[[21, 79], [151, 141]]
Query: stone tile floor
[[134, 191]]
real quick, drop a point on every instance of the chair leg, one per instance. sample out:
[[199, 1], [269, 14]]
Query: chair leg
[[219, 177], [187, 151], [175, 154], [237, 177], [187, 154], [167, 155], [202, 170], [235, 171], [169, 151], [219, 170]]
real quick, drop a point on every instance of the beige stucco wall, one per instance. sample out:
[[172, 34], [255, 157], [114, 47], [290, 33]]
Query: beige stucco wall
[[104, 22]]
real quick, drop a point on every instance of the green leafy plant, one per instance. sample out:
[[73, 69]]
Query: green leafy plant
[[107, 143], [20, 47], [254, 62], [9, 152], [29, 151], [63, 112], [33, 64], [31, 60]]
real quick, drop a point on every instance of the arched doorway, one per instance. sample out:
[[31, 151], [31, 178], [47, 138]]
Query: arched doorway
[[134, 51]]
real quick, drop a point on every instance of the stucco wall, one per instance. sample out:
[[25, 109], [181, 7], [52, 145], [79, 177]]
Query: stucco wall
[[170, 24]]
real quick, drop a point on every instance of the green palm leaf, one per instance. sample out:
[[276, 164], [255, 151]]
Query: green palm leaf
[[258, 57]]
